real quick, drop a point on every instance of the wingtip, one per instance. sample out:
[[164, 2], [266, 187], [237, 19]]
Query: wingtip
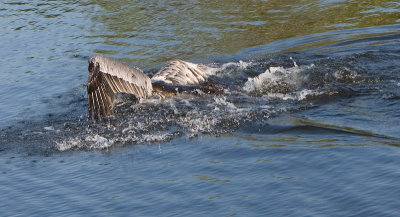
[[108, 77]]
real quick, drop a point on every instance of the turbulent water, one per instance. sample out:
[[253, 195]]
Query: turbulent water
[[254, 92], [307, 124]]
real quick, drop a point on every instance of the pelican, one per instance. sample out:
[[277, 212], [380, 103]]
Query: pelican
[[107, 77]]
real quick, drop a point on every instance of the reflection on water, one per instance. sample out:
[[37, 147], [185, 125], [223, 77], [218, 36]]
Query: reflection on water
[[152, 32]]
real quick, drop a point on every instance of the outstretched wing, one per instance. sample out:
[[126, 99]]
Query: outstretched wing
[[107, 77], [181, 73]]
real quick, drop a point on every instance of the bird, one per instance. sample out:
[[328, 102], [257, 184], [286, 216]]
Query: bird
[[108, 77]]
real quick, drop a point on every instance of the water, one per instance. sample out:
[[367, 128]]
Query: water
[[308, 123]]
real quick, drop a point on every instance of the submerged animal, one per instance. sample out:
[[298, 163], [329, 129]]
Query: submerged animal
[[107, 77]]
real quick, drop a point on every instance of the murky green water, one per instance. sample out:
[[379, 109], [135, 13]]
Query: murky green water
[[308, 124]]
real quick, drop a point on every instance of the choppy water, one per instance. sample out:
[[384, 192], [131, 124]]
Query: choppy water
[[308, 123]]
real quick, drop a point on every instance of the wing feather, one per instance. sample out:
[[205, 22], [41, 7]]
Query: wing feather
[[107, 77], [182, 73]]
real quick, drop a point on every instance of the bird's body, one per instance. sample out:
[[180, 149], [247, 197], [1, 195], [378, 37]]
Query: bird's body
[[107, 77]]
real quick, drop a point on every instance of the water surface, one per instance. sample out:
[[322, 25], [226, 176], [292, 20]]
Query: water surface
[[308, 123]]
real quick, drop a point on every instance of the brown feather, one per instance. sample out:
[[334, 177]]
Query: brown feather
[[182, 73], [107, 77]]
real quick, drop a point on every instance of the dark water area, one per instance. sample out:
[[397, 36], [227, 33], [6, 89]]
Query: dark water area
[[308, 123]]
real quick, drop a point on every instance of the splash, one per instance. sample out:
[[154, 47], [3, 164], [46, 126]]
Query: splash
[[280, 82], [94, 141], [160, 120], [241, 65], [254, 91]]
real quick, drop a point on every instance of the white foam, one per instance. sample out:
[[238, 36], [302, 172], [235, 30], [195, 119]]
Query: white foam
[[69, 144], [98, 142], [50, 128], [256, 83], [280, 96], [298, 95], [91, 141], [345, 73], [196, 121], [155, 138], [241, 65], [221, 101], [304, 93], [276, 76]]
